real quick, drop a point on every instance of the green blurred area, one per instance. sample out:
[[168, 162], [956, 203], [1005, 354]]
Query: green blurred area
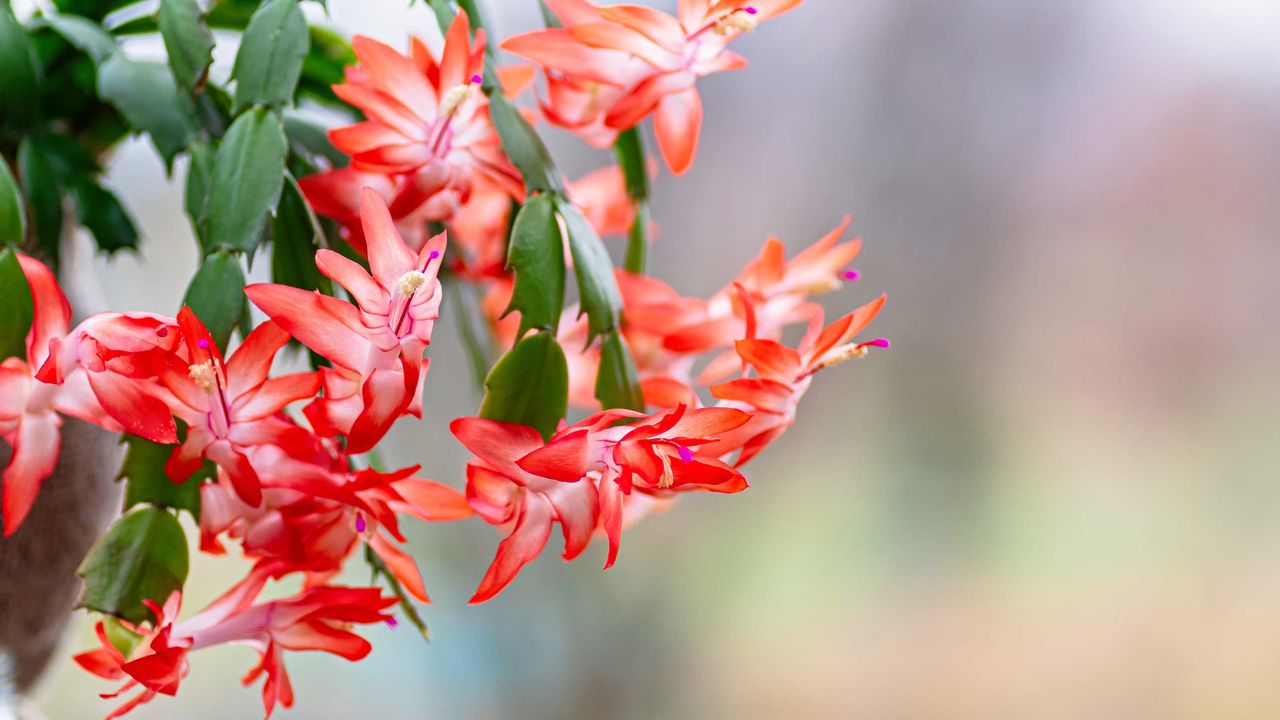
[[1056, 496]]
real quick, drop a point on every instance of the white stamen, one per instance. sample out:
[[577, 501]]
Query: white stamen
[[668, 476], [735, 22], [203, 375], [411, 281], [453, 99], [837, 355]]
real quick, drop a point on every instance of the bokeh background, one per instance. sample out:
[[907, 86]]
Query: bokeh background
[[1057, 496]]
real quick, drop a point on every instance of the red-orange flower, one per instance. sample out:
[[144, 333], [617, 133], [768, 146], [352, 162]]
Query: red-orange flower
[[427, 120], [610, 67]]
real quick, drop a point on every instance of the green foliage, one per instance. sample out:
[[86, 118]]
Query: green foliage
[[147, 96], [529, 385], [325, 65], [19, 73], [92, 9], [630, 151], [143, 469], [248, 173], [13, 218], [597, 289], [188, 42], [15, 298], [310, 139], [537, 257], [521, 142], [617, 383], [216, 294], [40, 185], [269, 61], [294, 233], [142, 557], [196, 193], [101, 212], [85, 35]]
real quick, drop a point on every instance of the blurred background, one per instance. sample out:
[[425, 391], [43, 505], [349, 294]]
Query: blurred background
[[1057, 496]]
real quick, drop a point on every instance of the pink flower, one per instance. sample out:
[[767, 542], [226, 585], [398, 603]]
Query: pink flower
[[656, 455], [427, 119], [783, 375], [315, 619], [377, 344], [230, 406], [526, 505], [29, 407], [610, 67]]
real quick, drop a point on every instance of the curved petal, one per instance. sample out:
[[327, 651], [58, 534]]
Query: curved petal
[[677, 125], [564, 458], [385, 399], [558, 49], [656, 25], [431, 501], [52, 313], [395, 75], [35, 454], [389, 256], [138, 412], [497, 443], [273, 395], [519, 549], [327, 325], [611, 500], [613, 36], [386, 110], [400, 564], [248, 366], [238, 470], [455, 59]]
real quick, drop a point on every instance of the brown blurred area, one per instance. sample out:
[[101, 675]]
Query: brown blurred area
[[1056, 496]]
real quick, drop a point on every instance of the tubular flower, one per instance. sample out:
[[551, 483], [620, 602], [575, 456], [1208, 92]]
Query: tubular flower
[[29, 406], [778, 292], [312, 517], [783, 375], [657, 455], [230, 406], [377, 344], [427, 120], [315, 619], [610, 67], [524, 504], [120, 357]]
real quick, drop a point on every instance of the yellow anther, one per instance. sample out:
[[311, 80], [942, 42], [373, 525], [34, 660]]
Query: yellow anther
[[203, 375]]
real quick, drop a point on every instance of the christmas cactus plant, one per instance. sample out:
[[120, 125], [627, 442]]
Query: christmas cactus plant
[[385, 187]]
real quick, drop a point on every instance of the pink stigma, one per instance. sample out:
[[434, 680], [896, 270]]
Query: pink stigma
[[685, 453], [202, 344], [878, 342], [361, 525], [435, 254], [852, 275], [393, 623], [750, 10], [476, 79]]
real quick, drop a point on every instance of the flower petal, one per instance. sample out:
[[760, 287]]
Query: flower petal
[[526, 541]]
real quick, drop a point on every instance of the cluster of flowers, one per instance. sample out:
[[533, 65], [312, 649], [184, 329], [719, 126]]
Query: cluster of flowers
[[288, 488]]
